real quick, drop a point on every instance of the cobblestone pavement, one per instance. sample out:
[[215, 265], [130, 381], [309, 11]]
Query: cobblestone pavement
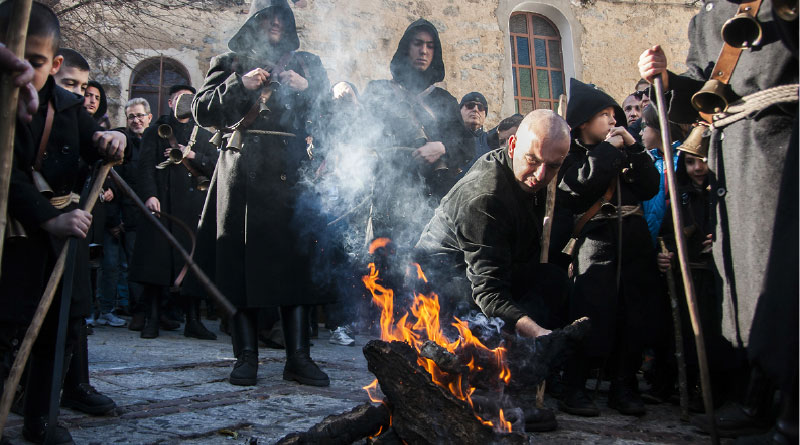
[[174, 390]]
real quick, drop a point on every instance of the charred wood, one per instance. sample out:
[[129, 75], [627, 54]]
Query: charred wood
[[444, 359], [343, 429], [423, 412]]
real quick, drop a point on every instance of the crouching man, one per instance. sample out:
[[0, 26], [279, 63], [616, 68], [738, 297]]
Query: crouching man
[[483, 241]]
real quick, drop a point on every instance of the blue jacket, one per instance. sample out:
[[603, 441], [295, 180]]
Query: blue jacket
[[656, 207]]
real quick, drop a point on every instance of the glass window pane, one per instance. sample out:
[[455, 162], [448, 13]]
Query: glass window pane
[[516, 103], [519, 23], [540, 52], [525, 85], [543, 83], [513, 52], [558, 83], [523, 52], [542, 28], [544, 105], [555, 107], [514, 73], [555, 53], [526, 107]]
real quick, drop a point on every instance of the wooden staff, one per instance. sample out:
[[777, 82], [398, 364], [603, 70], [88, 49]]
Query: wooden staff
[[678, 328], [44, 305], [223, 303], [547, 227], [9, 95], [683, 260], [550, 206]]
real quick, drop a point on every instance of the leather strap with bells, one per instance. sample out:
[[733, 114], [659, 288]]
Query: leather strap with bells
[[729, 55]]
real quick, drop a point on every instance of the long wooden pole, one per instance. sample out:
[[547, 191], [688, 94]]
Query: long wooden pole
[[677, 326], [683, 260], [44, 306], [9, 95], [223, 303], [550, 206]]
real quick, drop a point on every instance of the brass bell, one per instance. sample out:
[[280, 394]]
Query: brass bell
[[41, 184], [742, 31], [183, 106], [203, 183], [263, 109], [697, 142], [216, 139], [785, 9], [235, 141], [164, 131], [176, 156], [712, 98]]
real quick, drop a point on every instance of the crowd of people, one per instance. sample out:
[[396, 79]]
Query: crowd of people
[[262, 178]]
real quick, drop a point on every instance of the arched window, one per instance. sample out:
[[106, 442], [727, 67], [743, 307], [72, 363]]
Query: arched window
[[152, 78], [536, 62]]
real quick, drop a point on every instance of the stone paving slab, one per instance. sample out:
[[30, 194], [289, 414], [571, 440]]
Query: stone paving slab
[[174, 390]]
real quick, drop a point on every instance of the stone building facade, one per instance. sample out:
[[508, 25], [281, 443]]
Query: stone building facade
[[519, 53]]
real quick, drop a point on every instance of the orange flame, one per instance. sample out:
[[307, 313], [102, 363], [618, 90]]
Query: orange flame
[[377, 243], [370, 389], [426, 326]]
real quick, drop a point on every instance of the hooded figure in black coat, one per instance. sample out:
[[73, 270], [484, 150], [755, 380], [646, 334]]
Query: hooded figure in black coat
[[612, 290], [247, 242], [422, 140]]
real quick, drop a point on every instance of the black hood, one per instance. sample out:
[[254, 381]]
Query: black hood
[[248, 39], [402, 71], [103, 107], [586, 100]]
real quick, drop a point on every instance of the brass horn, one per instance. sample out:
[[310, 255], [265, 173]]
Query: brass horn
[[176, 156], [712, 98], [164, 131], [785, 9], [697, 142], [742, 31]]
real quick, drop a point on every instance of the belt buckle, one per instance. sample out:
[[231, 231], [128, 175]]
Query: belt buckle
[[608, 209]]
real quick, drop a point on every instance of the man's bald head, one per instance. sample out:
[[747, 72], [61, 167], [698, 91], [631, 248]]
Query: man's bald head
[[538, 149]]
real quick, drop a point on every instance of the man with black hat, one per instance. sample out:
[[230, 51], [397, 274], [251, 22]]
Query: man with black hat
[[178, 188], [603, 181], [426, 144], [262, 94], [474, 109]]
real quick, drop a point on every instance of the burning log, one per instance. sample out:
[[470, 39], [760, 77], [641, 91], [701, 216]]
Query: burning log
[[422, 411], [444, 359], [343, 429]]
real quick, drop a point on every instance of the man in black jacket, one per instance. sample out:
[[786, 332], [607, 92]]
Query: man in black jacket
[[179, 189], [422, 139]]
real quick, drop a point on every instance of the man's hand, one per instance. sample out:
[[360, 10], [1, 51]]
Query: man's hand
[[110, 144], [108, 195], [116, 232], [430, 152], [653, 62], [293, 80], [620, 138], [75, 223], [708, 243], [255, 79], [153, 204], [664, 261], [526, 327], [28, 101]]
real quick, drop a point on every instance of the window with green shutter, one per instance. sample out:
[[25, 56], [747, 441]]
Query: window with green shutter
[[536, 62]]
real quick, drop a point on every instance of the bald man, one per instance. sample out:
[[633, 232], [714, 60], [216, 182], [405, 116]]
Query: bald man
[[482, 245]]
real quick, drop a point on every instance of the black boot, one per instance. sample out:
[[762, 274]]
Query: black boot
[[575, 400], [785, 430], [299, 365], [623, 395], [77, 393], [245, 347], [150, 329], [194, 327], [747, 418]]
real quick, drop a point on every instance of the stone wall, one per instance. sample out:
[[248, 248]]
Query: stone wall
[[356, 39]]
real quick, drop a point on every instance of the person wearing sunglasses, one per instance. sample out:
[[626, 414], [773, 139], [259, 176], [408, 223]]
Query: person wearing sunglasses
[[473, 112]]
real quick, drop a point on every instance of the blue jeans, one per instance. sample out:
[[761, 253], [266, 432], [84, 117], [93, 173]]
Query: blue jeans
[[114, 272]]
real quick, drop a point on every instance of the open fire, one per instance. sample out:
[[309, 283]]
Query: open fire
[[420, 324]]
